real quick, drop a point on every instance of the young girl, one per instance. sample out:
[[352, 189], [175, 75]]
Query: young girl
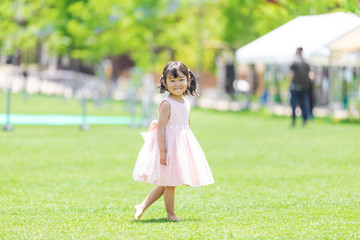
[[171, 155]]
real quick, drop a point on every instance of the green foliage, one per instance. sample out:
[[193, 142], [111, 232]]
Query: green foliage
[[350, 5], [239, 21], [152, 32]]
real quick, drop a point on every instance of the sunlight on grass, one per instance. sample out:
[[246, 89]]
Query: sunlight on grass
[[271, 181]]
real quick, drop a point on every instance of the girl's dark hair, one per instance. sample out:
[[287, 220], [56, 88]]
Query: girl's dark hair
[[171, 69]]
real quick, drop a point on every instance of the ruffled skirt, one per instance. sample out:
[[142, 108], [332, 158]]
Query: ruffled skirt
[[185, 164]]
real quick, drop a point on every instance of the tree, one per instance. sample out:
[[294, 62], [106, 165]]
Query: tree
[[152, 32]]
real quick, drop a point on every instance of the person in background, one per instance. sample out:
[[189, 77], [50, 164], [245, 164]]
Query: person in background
[[300, 87], [312, 97]]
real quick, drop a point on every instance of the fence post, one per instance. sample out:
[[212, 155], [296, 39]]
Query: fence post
[[8, 126], [84, 126]]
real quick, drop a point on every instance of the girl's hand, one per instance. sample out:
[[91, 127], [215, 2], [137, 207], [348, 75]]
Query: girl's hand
[[163, 158]]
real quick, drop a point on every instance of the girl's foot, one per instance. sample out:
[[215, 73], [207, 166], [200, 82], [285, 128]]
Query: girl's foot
[[139, 210], [173, 218]]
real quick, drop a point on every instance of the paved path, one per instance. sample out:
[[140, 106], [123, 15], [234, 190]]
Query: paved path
[[59, 120]]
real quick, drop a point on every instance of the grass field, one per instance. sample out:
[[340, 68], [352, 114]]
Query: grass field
[[271, 181]]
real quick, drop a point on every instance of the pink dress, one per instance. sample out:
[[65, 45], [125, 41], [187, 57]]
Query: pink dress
[[185, 164]]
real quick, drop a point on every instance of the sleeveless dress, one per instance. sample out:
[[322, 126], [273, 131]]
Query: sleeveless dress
[[185, 163]]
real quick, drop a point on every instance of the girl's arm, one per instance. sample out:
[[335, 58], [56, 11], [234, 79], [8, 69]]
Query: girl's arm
[[164, 113]]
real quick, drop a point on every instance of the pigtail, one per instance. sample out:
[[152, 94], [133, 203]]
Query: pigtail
[[191, 89], [161, 87]]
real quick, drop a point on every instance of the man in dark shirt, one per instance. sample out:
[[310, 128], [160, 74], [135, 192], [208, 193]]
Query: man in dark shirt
[[300, 86]]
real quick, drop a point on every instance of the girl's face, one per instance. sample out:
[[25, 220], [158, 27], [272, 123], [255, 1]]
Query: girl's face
[[176, 85]]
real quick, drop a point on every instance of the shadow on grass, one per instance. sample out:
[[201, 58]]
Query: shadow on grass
[[163, 220]]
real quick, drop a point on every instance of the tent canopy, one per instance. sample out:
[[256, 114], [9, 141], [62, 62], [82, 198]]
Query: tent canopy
[[347, 43], [313, 33]]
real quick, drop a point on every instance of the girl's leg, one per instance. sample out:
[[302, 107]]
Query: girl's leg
[[154, 195], [169, 198]]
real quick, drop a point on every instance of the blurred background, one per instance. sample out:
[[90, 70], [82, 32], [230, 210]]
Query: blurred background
[[104, 50]]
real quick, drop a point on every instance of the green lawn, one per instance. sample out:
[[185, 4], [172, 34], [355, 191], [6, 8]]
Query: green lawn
[[40, 104], [271, 181]]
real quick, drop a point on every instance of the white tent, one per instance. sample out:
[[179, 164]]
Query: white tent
[[313, 33], [347, 43], [346, 49]]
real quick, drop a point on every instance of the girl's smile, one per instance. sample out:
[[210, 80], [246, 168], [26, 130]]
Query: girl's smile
[[176, 85]]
